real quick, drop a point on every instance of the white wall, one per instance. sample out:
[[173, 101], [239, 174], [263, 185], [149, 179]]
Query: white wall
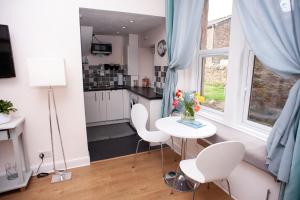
[[152, 37], [116, 57], [147, 60], [51, 28]]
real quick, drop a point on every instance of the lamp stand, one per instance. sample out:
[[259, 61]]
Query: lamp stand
[[59, 175]]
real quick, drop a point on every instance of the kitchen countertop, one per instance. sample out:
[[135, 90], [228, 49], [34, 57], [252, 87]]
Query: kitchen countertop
[[147, 93]]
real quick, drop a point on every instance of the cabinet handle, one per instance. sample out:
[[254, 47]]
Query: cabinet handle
[[102, 95], [95, 97]]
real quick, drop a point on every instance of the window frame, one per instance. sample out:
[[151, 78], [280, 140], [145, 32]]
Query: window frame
[[248, 77], [238, 83]]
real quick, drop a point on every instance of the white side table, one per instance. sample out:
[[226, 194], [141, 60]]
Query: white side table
[[12, 131], [170, 126]]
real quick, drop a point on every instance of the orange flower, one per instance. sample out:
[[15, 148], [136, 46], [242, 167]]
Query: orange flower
[[197, 107]]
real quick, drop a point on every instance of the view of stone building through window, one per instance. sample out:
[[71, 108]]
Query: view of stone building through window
[[214, 78], [215, 34], [269, 92]]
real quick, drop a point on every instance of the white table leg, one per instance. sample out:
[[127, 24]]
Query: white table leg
[[26, 163], [182, 149], [179, 182], [18, 159]]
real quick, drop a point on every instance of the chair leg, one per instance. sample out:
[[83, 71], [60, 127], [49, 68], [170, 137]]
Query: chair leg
[[136, 151], [228, 186], [194, 189], [149, 147], [173, 148], [162, 159], [174, 181]]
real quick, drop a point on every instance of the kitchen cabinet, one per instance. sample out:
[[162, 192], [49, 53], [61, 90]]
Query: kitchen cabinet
[[132, 55], [154, 111], [103, 105], [86, 35], [126, 104], [92, 106], [114, 105]]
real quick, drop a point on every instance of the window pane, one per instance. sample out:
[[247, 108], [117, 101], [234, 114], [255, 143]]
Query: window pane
[[215, 23], [268, 95], [214, 70]]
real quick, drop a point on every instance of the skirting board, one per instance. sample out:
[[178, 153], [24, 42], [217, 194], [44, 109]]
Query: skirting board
[[74, 163]]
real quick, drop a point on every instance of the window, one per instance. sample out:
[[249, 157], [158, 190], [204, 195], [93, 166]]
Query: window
[[239, 90], [214, 48], [267, 94]]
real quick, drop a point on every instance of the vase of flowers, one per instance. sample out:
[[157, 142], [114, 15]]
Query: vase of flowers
[[6, 108], [187, 104]]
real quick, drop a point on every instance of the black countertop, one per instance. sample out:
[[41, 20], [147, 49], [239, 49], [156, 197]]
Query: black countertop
[[147, 93]]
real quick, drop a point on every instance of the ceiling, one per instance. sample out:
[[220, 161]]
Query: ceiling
[[111, 23]]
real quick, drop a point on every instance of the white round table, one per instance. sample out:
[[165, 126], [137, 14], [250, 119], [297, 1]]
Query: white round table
[[172, 127]]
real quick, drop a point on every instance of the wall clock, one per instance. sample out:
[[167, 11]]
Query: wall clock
[[161, 48]]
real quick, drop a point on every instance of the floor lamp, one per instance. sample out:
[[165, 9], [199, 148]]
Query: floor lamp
[[49, 73]]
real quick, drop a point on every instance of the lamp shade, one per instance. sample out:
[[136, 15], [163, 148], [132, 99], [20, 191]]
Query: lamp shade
[[46, 72]]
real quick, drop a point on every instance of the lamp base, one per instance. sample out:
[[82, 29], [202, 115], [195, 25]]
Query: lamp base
[[61, 176]]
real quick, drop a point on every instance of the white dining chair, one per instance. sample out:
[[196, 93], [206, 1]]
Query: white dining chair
[[139, 117], [215, 162]]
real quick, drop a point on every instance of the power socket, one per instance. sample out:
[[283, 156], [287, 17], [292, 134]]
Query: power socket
[[46, 153]]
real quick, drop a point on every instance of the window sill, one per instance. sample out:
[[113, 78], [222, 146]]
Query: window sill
[[217, 117], [252, 131]]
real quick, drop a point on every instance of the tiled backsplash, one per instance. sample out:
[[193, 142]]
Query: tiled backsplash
[[159, 78], [92, 77]]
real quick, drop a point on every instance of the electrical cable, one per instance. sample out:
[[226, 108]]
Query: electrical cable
[[42, 174]]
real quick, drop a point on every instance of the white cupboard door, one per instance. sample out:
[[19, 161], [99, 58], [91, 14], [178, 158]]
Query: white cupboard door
[[133, 59], [126, 104], [102, 105], [86, 34], [114, 99], [91, 103]]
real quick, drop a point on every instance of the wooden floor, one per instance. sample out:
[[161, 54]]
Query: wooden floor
[[115, 179]]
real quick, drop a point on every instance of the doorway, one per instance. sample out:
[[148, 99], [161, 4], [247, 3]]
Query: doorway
[[107, 37]]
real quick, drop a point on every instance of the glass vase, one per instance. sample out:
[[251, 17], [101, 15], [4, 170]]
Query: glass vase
[[188, 115], [11, 171]]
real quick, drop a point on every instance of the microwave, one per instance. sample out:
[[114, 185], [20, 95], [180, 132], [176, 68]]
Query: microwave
[[98, 48]]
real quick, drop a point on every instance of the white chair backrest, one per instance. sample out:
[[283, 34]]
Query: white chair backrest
[[139, 117], [217, 161]]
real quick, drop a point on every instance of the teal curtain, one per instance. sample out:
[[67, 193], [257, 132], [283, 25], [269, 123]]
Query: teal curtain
[[291, 191], [272, 29], [183, 20]]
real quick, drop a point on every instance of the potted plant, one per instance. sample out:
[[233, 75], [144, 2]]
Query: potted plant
[[187, 103], [6, 108]]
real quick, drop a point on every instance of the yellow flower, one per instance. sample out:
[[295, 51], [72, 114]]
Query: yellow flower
[[199, 98]]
